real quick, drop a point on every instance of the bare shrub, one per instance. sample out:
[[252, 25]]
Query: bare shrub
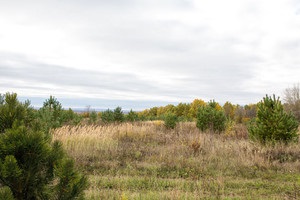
[[291, 97]]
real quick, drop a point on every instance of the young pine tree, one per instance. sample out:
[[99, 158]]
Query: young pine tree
[[50, 115], [93, 117], [272, 123], [132, 116], [211, 117], [170, 120], [32, 166], [13, 111], [118, 114], [30, 162], [107, 116]]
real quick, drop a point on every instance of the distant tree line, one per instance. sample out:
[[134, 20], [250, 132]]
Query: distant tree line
[[188, 111], [52, 115]]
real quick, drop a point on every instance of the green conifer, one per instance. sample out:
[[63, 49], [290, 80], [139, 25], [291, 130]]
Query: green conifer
[[272, 123]]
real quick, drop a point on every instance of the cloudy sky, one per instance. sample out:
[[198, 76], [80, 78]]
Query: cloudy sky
[[139, 53]]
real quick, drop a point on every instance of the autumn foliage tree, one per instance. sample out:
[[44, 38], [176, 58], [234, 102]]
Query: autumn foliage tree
[[195, 106], [182, 110], [229, 110]]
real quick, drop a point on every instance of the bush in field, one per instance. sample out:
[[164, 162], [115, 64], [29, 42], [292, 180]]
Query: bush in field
[[53, 106], [76, 120], [13, 111], [182, 112], [107, 116], [272, 123], [118, 114], [132, 116], [143, 115], [30, 163], [229, 110], [93, 117], [51, 114], [170, 120], [68, 115], [211, 117], [152, 114]]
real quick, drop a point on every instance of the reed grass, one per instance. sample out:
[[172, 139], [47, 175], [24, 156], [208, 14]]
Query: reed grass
[[144, 160]]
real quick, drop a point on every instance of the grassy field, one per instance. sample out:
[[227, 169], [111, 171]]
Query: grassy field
[[144, 160]]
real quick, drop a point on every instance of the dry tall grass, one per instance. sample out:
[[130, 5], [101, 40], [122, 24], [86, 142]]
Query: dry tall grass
[[147, 149]]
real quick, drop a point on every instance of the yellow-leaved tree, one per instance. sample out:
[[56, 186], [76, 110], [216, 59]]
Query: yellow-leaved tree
[[195, 106]]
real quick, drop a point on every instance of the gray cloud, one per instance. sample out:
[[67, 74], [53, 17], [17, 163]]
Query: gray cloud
[[174, 50], [36, 76], [34, 72]]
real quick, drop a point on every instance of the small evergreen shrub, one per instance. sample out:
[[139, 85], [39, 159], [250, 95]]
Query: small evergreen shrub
[[132, 116], [51, 114], [170, 120], [32, 166], [93, 117], [107, 116], [211, 117], [76, 120], [13, 111], [68, 115], [30, 162], [118, 115], [71, 183], [272, 123]]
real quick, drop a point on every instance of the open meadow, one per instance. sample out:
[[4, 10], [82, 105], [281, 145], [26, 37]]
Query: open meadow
[[149, 100], [145, 160]]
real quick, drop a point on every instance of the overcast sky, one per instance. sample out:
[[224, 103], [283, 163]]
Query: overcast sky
[[149, 50]]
